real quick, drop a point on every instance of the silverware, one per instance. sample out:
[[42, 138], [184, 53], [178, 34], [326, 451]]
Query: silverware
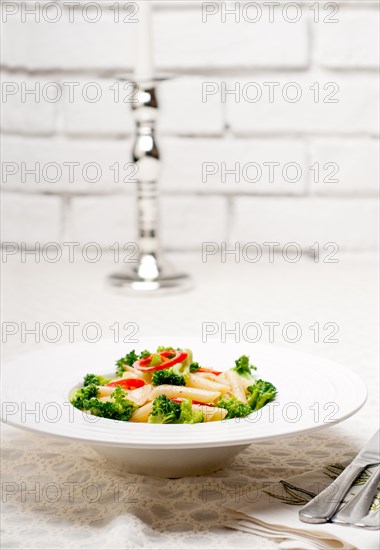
[[358, 507], [323, 506], [372, 521]]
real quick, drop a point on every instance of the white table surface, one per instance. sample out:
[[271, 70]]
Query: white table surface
[[142, 512]]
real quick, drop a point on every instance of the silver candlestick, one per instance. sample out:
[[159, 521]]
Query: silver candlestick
[[151, 273]]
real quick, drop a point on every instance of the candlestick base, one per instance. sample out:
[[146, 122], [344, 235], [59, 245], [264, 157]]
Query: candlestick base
[[148, 276]]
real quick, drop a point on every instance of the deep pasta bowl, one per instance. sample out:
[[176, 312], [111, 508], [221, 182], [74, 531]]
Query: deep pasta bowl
[[313, 393]]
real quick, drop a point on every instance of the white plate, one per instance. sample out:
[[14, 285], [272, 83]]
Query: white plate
[[312, 393]]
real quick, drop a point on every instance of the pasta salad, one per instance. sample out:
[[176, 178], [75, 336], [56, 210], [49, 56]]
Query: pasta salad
[[168, 387]]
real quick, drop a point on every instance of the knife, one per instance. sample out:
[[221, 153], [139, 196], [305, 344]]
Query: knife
[[323, 506]]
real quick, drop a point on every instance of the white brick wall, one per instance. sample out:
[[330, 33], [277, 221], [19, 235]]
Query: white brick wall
[[28, 116], [63, 45], [351, 223], [188, 221], [183, 112], [350, 44], [103, 220], [230, 166], [110, 44], [228, 45], [66, 166], [356, 109], [30, 218], [193, 130], [357, 161], [108, 116]]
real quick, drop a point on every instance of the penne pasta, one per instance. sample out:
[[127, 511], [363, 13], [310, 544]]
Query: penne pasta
[[105, 390], [142, 413], [198, 381], [236, 385], [220, 378], [140, 395], [205, 396], [132, 374], [246, 383], [128, 369]]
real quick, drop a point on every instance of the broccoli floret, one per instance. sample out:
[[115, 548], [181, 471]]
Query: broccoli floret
[[261, 393], [187, 415], [165, 411], [176, 375], [108, 409], [124, 408], [94, 379], [126, 361], [84, 394], [235, 408], [144, 354], [243, 368], [119, 409], [194, 367], [168, 376]]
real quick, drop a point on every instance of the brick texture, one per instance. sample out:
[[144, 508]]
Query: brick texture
[[67, 166], [236, 166], [228, 44], [352, 43], [233, 166], [103, 220], [24, 111], [30, 218], [355, 109], [188, 221], [351, 223], [355, 161]]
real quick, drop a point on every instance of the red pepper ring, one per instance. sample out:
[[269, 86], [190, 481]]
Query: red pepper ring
[[127, 383], [178, 358]]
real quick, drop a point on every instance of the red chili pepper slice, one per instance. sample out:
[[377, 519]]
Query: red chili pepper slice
[[211, 371], [127, 383], [168, 361]]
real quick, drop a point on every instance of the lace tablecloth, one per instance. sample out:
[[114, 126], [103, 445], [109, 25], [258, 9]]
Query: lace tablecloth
[[58, 494]]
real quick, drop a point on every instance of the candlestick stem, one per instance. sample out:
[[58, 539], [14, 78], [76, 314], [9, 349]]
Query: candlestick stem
[[151, 273]]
